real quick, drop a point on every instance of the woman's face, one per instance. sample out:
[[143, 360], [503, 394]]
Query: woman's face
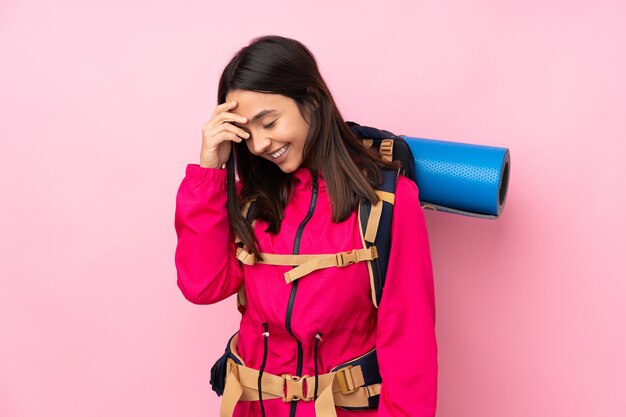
[[277, 130]]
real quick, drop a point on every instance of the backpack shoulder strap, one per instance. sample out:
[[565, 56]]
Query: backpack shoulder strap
[[375, 228]]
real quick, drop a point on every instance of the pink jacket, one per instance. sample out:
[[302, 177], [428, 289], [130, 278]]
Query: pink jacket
[[335, 302]]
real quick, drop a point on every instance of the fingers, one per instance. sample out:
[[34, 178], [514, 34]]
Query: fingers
[[222, 132], [225, 134], [236, 130], [219, 133], [221, 113], [229, 117], [224, 106], [213, 130]]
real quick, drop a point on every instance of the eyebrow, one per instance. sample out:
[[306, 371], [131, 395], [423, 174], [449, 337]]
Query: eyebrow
[[261, 114]]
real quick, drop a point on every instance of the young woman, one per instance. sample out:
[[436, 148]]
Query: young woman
[[277, 138]]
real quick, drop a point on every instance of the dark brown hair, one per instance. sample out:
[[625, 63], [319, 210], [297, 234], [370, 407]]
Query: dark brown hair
[[279, 65]]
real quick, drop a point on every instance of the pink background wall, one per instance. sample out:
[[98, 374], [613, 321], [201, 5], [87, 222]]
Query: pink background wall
[[101, 106]]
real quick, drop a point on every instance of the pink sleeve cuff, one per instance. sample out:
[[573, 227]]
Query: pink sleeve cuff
[[199, 175]]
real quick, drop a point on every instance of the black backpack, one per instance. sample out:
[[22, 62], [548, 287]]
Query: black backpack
[[391, 147]]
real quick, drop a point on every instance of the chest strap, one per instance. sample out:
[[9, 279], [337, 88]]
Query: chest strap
[[305, 264]]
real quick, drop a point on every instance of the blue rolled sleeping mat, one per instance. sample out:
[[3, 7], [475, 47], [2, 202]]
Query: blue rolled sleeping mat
[[461, 178], [454, 177]]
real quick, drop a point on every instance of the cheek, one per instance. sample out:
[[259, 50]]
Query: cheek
[[297, 137], [302, 138], [302, 134]]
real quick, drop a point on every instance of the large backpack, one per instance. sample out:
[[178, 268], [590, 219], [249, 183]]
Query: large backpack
[[374, 220]]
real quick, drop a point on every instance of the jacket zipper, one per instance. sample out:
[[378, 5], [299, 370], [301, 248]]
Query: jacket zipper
[[294, 287]]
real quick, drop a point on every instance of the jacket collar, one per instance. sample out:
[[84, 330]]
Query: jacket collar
[[304, 179]]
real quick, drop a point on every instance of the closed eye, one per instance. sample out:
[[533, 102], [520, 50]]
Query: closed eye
[[270, 124]]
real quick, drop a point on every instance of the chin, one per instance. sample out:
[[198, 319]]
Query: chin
[[288, 168]]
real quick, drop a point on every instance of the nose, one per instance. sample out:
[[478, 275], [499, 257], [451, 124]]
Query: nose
[[260, 144]]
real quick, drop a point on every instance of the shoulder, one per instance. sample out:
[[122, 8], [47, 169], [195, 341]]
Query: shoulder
[[407, 201], [406, 189]]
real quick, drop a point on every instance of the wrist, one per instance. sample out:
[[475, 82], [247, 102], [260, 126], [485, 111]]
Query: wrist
[[212, 166]]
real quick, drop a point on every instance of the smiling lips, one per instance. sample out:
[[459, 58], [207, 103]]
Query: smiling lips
[[280, 152]]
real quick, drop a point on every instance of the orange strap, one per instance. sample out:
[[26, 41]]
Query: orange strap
[[386, 149], [305, 264], [242, 385]]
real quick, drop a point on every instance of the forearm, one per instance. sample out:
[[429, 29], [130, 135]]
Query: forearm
[[206, 266]]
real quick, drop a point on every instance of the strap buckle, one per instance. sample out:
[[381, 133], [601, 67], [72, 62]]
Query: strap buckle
[[386, 149], [245, 257], [345, 380], [294, 388], [346, 258]]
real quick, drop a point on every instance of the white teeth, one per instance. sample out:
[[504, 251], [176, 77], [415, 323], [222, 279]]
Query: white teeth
[[279, 152]]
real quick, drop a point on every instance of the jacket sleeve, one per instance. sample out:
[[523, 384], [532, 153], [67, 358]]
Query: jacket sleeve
[[207, 268], [405, 337]]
